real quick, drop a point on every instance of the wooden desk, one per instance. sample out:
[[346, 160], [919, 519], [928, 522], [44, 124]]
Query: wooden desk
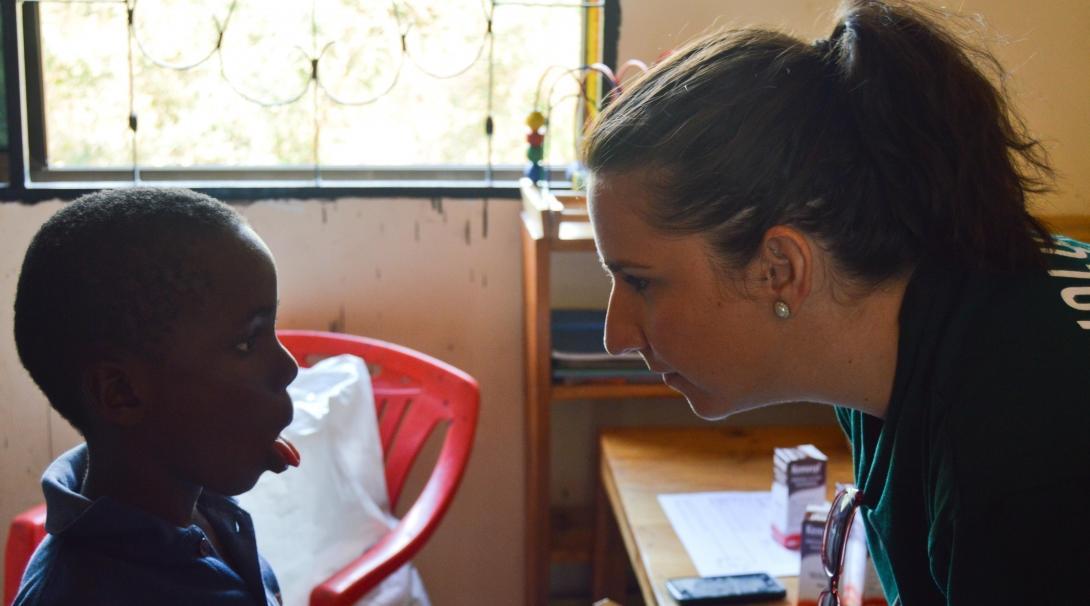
[[639, 463]]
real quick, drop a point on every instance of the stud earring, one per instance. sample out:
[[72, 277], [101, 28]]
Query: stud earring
[[783, 312]]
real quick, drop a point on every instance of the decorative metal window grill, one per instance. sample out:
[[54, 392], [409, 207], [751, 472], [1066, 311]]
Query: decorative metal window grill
[[295, 93]]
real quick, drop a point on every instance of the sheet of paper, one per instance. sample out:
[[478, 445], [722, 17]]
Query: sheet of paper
[[729, 532]]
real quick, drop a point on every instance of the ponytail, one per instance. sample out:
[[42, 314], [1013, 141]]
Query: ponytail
[[943, 147], [887, 142]]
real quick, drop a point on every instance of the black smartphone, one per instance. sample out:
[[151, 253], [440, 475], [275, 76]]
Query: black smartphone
[[729, 589]]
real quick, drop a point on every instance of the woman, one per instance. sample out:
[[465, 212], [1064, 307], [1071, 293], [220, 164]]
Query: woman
[[845, 222]]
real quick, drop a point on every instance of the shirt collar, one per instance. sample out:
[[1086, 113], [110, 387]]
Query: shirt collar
[[121, 528]]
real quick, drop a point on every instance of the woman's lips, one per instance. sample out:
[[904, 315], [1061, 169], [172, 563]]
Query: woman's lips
[[287, 455]]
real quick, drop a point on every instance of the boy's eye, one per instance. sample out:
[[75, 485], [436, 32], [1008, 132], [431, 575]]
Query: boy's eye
[[245, 346]]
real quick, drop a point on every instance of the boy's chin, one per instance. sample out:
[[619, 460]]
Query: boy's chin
[[234, 487], [244, 481]]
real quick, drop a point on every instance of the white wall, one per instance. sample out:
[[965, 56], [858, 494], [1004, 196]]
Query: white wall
[[26, 422], [393, 269]]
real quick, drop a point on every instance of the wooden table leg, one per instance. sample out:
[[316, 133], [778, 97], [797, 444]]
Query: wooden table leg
[[610, 563]]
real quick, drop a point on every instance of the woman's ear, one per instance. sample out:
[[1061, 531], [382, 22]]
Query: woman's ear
[[109, 395], [786, 259]]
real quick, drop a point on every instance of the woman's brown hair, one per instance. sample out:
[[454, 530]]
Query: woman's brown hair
[[886, 142]]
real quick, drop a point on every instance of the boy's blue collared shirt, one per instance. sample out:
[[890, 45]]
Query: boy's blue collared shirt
[[106, 552]]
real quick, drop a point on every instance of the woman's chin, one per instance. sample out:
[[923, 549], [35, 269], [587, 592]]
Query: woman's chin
[[712, 408], [709, 411], [704, 405]]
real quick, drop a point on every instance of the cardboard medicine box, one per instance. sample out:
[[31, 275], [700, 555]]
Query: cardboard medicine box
[[798, 481], [812, 577]]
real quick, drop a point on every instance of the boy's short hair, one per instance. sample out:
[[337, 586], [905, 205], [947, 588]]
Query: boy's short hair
[[109, 272]]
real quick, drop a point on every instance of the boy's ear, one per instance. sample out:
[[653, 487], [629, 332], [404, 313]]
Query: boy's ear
[[109, 394], [787, 265]]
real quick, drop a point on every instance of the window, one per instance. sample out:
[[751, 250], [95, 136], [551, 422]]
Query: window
[[293, 93]]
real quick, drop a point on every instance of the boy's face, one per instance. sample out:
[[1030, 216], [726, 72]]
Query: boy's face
[[216, 398]]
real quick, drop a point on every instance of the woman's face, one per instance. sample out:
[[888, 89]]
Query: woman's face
[[714, 338]]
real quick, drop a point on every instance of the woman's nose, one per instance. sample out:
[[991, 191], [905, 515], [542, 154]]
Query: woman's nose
[[622, 333]]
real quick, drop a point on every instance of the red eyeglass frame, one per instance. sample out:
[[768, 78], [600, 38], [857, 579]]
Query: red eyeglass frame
[[831, 596]]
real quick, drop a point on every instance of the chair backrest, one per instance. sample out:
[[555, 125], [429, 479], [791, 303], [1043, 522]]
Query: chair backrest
[[414, 393]]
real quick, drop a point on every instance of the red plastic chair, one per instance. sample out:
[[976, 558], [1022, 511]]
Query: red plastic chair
[[414, 393], [26, 531]]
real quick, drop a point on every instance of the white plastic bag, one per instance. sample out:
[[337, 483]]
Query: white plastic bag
[[313, 520]]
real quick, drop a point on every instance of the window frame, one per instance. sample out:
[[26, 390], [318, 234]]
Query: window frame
[[26, 176]]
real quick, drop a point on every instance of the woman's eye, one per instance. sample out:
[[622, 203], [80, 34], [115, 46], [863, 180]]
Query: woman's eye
[[637, 284]]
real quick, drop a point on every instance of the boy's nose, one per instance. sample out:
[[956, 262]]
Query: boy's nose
[[622, 333], [287, 369]]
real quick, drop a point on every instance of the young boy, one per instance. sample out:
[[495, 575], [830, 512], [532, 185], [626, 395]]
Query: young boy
[[146, 317]]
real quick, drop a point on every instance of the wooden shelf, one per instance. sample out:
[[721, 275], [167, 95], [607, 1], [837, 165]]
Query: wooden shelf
[[558, 217], [593, 391], [571, 537], [554, 221], [574, 246], [574, 237]]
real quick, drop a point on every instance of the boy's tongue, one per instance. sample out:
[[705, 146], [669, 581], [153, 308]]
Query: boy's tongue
[[287, 452]]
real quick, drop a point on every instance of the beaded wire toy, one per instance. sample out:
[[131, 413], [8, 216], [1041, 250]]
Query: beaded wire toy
[[538, 120]]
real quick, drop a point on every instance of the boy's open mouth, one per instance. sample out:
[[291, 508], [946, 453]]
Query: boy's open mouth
[[285, 455]]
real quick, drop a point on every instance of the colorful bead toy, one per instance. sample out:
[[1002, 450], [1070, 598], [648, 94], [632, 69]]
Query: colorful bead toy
[[536, 138], [537, 122]]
